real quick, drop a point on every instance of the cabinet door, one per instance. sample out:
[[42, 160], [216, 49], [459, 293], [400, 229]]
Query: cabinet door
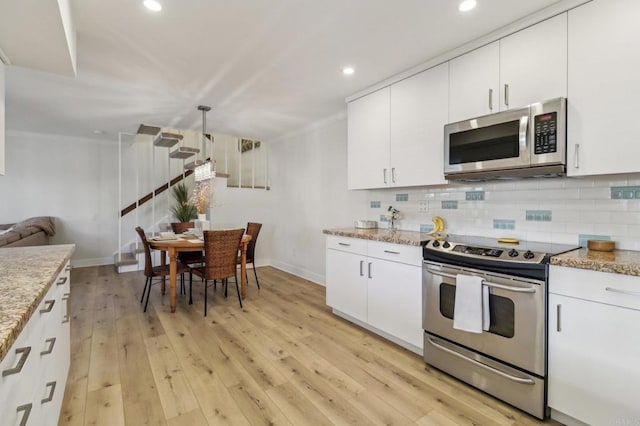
[[368, 141], [347, 283], [533, 64], [395, 300], [418, 116], [593, 361], [604, 64], [474, 81]]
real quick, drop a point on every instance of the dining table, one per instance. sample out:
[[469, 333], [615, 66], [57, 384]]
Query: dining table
[[185, 243]]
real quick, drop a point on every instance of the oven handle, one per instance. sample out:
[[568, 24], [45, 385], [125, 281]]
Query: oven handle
[[479, 364], [487, 283]]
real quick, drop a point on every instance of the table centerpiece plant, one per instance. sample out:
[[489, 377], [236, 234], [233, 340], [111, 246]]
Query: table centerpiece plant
[[183, 210]]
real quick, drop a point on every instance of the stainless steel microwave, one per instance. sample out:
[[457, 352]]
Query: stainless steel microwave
[[529, 141]]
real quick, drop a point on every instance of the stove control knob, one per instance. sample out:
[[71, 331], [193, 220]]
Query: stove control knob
[[513, 253], [436, 243], [446, 244], [529, 255]]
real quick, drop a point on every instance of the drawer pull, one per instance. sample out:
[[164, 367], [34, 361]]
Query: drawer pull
[[27, 410], [344, 244], [65, 297], [392, 252], [361, 268], [62, 281], [68, 268], [48, 306], [558, 313], [52, 385], [617, 290], [51, 342], [369, 270], [24, 354]]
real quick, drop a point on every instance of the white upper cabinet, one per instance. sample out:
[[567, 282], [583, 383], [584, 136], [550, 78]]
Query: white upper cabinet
[[474, 83], [533, 64], [526, 67], [368, 141], [604, 88], [396, 133], [2, 115], [418, 116]]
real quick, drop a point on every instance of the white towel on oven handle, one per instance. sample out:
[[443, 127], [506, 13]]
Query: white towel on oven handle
[[471, 309]]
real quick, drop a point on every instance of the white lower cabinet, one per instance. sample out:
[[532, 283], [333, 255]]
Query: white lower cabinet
[[379, 284], [594, 346], [35, 369]]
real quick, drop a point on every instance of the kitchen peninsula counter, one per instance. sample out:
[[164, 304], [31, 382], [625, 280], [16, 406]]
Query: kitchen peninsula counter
[[27, 274], [625, 262], [395, 236]]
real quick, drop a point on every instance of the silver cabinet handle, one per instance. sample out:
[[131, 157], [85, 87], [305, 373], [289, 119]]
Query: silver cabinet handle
[[344, 244], [392, 252], [62, 281], [490, 99], [48, 306], [393, 175], [369, 270], [384, 174], [24, 354], [558, 312], [506, 95], [576, 155], [27, 410], [67, 317], [51, 342], [68, 268], [52, 386], [362, 268], [617, 290], [479, 364]]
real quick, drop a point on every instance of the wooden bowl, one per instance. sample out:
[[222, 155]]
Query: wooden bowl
[[599, 245]]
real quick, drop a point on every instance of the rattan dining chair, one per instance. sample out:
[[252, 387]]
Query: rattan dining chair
[[151, 272], [187, 258], [253, 229], [220, 253]]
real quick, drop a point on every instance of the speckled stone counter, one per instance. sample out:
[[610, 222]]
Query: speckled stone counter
[[410, 238], [26, 275], [618, 261]]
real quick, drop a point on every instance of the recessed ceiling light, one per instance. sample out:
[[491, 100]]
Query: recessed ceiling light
[[153, 5], [348, 71], [467, 5]]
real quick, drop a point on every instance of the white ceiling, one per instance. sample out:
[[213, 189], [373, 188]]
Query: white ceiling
[[266, 67]]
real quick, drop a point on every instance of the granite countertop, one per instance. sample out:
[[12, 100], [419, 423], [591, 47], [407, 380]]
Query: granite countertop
[[27, 274], [410, 238], [624, 262]]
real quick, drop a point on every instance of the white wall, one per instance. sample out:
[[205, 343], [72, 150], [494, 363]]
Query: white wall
[[74, 180], [2, 120]]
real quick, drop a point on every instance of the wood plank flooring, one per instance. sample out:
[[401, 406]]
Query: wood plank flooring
[[284, 359]]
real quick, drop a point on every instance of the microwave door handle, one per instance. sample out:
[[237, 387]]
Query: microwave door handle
[[522, 135]]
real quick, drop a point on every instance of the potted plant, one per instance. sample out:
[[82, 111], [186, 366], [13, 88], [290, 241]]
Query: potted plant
[[183, 210]]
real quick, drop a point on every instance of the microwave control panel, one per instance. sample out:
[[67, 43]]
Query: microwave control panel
[[546, 133]]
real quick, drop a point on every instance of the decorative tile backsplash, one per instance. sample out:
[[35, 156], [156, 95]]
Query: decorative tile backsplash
[[558, 210], [582, 239], [402, 197], [375, 204]]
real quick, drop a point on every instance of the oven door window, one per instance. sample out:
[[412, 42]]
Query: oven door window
[[486, 143], [501, 310]]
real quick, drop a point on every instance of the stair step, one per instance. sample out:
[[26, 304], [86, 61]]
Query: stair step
[[126, 259]]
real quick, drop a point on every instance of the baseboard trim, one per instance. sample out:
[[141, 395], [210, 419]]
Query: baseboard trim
[[300, 272]]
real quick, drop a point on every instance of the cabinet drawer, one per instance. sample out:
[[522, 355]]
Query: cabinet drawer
[[411, 255], [350, 245], [603, 287]]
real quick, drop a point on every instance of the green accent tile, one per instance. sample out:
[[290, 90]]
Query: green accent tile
[[616, 194], [402, 197], [504, 224], [450, 204], [375, 204], [582, 238], [383, 218], [426, 227], [474, 195], [538, 215], [627, 194]]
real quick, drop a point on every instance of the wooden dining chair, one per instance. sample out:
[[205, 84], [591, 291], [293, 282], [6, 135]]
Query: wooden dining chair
[[187, 258], [253, 229], [151, 272], [220, 254]]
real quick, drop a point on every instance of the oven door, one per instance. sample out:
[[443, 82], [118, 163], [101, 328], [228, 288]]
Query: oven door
[[516, 335], [493, 142]]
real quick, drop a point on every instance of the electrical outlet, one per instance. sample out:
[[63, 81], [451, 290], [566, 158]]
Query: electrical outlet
[[423, 206]]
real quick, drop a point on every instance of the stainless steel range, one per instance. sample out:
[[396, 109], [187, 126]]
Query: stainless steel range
[[507, 358]]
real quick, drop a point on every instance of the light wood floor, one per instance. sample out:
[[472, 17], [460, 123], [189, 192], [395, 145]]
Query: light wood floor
[[283, 359]]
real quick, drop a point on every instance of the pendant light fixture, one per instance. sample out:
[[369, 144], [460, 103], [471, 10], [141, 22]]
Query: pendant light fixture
[[206, 169]]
